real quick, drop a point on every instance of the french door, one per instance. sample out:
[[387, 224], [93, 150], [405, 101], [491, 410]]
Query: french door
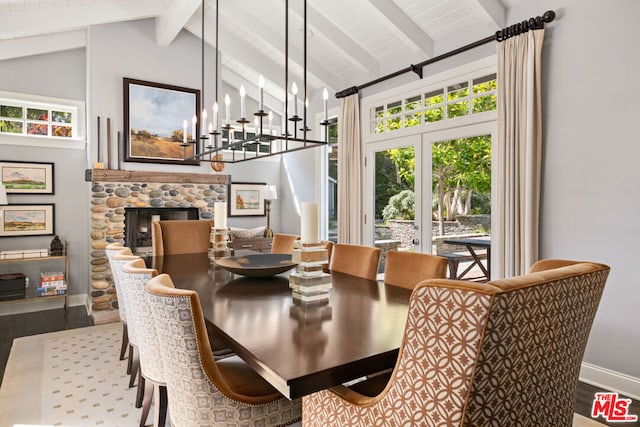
[[411, 162]]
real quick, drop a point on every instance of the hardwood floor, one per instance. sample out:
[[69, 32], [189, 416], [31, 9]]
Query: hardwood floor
[[41, 322]]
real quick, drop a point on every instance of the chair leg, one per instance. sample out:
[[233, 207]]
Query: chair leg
[[160, 410], [135, 365], [125, 341], [141, 389], [149, 388], [130, 360]]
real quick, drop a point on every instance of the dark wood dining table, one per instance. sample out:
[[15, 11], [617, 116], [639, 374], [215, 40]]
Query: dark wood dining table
[[298, 349], [473, 243]]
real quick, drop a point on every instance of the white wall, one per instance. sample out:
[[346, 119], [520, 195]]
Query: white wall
[[590, 168]]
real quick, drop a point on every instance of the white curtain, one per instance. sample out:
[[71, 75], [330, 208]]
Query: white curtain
[[349, 172], [518, 159]]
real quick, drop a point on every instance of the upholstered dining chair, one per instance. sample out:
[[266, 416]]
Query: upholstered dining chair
[[201, 390], [151, 382], [506, 352], [407, 269], [110, 251], [283, 243], [118, 261], [356, 260], [180, 237]]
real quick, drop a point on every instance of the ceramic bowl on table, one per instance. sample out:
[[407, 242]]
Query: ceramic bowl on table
[[258, 265]]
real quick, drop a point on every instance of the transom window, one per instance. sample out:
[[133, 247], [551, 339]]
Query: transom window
[[456, 100], [27, 119]]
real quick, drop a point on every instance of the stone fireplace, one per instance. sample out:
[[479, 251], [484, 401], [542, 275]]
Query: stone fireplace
[[137, 224], [114, 192]]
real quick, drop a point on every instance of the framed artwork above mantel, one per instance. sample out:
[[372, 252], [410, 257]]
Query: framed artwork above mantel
[[154, 117]]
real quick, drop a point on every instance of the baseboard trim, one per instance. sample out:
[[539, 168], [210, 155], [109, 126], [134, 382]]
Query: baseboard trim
[[610, 380]]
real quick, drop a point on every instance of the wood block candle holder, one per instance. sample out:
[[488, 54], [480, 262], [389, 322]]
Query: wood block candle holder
[[309, 284], [219, 248]]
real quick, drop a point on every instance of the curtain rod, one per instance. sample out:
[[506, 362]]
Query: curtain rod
[[500, 35]]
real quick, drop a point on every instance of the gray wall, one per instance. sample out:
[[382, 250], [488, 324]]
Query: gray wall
[[59, 75]]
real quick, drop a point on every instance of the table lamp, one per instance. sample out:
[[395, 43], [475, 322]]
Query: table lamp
[[270, 193]]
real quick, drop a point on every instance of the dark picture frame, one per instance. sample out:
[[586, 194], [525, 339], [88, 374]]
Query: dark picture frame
[[18, 220], [21, 177], [153, 122], [246, 199]]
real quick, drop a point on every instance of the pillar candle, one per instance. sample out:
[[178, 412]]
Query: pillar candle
[[309, 222], [220, 215]]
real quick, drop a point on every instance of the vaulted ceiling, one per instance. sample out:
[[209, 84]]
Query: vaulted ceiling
[[348, 42]]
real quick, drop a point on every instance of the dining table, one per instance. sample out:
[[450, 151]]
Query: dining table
[[298, 348]]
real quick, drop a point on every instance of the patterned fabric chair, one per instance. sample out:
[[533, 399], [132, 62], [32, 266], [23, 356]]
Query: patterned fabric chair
[[133, 278], [180, 237], [118, 262], [356, 260], [502, 353], [283, 243], [407, 269], [111, 250], [203, 391]]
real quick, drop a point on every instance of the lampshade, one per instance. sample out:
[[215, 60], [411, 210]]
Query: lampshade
[[3, 195], [271, 192]]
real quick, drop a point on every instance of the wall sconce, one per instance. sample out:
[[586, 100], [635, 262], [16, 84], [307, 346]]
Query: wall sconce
[[271, 193]]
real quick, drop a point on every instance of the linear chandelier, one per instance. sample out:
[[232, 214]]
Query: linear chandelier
[[216, 138]]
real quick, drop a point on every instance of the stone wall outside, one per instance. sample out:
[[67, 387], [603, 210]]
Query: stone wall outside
[[108, 203]]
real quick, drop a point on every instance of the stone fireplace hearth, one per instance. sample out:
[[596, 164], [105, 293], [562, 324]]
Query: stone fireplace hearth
[[113, 191]]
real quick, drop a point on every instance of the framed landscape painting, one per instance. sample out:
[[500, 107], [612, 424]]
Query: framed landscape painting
[[154, 114], [27, 177], [246, 199], [27, 220]]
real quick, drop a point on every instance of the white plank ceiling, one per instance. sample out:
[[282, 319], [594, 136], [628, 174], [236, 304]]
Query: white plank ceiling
[[349, 41]]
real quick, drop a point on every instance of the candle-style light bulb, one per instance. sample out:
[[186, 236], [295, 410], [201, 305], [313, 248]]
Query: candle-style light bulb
[[294, 91], [203, 117], [243, 93], [194, 120], [215, 116], [184, 132], [227, 103], [256, 125], [261, 97], [325, 96]]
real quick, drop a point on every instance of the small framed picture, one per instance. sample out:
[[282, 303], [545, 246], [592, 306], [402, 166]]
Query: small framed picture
[[246, 199], [27, 177], [27, 220]]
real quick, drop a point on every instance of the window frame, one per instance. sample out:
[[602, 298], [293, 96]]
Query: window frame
[[25, 101]]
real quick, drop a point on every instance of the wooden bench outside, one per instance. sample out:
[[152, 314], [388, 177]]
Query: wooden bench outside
[[454, 259]]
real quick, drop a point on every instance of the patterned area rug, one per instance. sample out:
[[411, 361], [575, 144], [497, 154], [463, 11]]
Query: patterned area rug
[[74, 378], [68, 378]]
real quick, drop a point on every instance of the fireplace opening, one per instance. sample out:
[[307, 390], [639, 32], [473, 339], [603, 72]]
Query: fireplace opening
[[137, 223]]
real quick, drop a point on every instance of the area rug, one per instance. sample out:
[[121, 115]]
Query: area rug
[[68, 378], [74, 378]]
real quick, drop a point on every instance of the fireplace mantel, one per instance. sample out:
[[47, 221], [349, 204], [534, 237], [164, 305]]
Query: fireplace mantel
[[111, 175]]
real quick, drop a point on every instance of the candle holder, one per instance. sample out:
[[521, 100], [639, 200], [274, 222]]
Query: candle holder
[[219, 238], [310, 285]]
